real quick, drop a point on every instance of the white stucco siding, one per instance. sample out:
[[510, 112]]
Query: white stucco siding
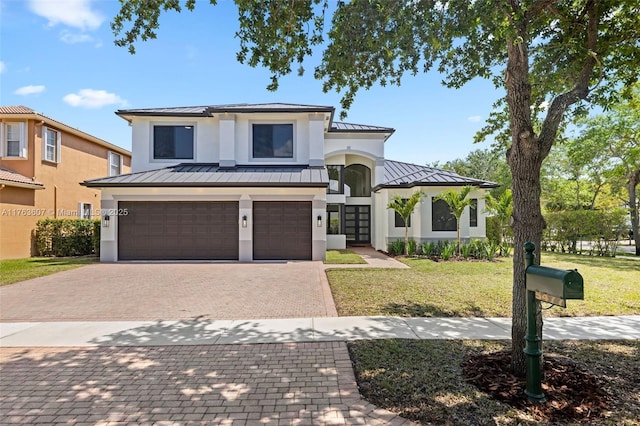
[[421, 220], [372, 146], [244, 148], [206, 141]]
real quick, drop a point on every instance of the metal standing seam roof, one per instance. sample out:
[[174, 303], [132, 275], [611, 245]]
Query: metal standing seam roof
[[11, 178], [208, 110], [212, 175], [406, 175]]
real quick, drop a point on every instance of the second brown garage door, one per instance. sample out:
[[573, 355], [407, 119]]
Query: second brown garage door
[[282, 230], [178, 230]]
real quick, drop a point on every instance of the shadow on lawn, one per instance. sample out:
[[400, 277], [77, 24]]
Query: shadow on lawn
[[412, 309]]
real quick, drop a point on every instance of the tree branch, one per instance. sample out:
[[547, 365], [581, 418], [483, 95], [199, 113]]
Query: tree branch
[[580, 90]]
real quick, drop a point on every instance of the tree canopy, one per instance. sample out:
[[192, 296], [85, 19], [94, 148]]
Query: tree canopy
[[551, 57]]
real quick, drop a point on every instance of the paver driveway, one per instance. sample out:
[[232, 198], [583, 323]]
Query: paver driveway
[[171, 291]]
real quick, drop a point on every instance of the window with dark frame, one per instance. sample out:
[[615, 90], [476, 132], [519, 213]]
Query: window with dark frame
[[173, 143], [473, 212], [336, 179], [399, 222], [272, 141], [442, 219], [357, 178], [334, 219]]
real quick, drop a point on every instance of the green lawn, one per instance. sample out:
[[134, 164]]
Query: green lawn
[[14, 270], [336, 257], [472, 288]]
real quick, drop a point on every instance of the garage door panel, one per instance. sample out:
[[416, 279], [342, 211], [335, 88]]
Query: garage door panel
[[282, 230], [178, 231]]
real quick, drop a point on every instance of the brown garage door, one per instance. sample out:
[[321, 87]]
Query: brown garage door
[[178, 230], [282, 230]]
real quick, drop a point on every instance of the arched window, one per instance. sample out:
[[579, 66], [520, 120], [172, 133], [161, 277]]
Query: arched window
[[357, 180]]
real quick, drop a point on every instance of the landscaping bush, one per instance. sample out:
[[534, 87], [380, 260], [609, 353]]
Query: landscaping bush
[[413, 248], [396, 248], [428, 248], [65, 237], [96, 236]]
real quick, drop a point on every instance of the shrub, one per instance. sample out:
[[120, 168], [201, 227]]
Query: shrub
[[96, 236], [448, 251], [396, 248], [413, 248], [465, 251], [64, 237], [428, 248], [491, 249]]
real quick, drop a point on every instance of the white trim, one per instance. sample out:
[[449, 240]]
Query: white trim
[[82, 209], [56, 147], [111, 155], [22, 140]]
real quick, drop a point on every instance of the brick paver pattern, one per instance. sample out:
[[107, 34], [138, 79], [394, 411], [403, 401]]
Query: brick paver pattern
[[171, 291], [297, 383]]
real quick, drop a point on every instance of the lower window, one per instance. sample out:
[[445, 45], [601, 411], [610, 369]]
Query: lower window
[[442, 219], [334, 219]]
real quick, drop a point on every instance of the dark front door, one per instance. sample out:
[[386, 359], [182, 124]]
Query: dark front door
[[357, 220]]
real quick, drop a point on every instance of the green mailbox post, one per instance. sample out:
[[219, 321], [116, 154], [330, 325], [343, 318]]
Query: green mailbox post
[[548, 285]]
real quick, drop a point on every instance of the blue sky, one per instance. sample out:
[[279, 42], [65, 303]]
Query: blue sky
[[58, 57]]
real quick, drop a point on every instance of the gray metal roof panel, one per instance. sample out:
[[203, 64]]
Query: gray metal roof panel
[[213, 175], [338, 126], [400, 174]]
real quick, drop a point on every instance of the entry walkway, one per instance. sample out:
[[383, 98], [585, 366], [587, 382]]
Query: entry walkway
[[299, 330]]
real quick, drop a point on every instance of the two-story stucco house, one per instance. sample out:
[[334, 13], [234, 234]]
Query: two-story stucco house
[[42, 164], [263, 182]]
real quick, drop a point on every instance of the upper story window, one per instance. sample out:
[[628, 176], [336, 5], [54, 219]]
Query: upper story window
[[273, 141], [14, 140], [442, 219], [357, 180], [336, 179], [51, 145], [173, 142], [473, 213], [115, 164]]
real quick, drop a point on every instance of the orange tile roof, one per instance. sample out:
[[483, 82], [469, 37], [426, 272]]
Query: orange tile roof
[[8, 177]]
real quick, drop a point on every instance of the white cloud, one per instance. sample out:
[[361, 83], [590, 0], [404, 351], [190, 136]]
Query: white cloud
[[29, 90], [73, 13], [474, 118], [89, 98], [544, 105], [71, 38], [2, 67]]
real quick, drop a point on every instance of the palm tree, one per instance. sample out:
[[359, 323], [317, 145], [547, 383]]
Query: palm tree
[[405, 207], [501, 208], [457, 201]]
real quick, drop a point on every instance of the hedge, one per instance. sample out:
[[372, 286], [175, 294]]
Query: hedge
[[67, 237]]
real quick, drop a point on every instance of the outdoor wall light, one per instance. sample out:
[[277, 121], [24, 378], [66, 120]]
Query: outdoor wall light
[[319, 223], [244, 221], [105, 221]]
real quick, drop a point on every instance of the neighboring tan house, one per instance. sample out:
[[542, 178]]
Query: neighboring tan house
[[42, 165], [266, 182]]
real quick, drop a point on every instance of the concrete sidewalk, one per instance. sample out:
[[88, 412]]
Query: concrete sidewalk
[[299, 330]]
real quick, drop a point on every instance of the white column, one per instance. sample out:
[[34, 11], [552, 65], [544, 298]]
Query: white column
[[316, 140], [227, 140]]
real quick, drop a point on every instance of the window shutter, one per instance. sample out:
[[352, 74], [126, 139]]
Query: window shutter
[[2, 147], [23, 140], [58, 146], [44, 142]]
